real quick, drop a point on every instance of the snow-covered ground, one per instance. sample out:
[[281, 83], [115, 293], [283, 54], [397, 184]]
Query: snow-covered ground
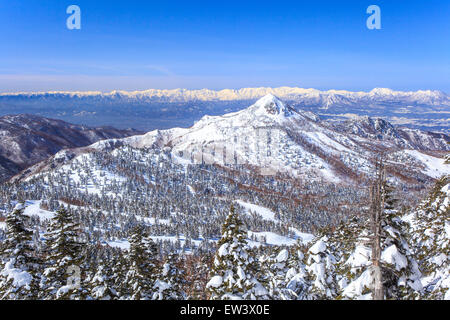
[[273, 238], [435, 167], [265, 213], [33, 209], [125, 245], [270, 238]]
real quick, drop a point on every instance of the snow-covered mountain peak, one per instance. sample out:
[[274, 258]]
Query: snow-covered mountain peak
[[271, 105], [272, 136], [267, 111], [378, 124], [382, 92], [271, 108]]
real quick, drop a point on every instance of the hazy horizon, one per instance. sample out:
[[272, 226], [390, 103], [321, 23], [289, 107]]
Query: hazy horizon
[[105, 92]]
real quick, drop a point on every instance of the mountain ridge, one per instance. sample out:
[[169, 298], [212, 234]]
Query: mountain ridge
[[423, 96], [272, 136], [165, 109], [28, 139]]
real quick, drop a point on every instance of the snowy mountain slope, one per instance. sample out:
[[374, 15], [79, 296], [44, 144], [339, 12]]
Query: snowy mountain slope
[[274, 138], [267, 214], [380, 129], [144, 181], [29, 139], [272, 135]]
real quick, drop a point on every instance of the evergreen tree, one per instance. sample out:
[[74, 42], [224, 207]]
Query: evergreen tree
[[327, 261], [172, 279], [144, 272], [19, 265], [197, 270], [295, 283], [101, 284], [321, 263], [276, 271], [430, 240], [118, 275], [62, 278], [400, 274], [233, 274]]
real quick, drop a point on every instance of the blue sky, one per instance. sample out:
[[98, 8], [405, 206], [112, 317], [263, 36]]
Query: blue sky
[[135, 45]]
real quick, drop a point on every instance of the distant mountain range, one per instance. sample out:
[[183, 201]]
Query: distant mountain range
[[163, 109], [310, 96], [273, 138], [27, 139]]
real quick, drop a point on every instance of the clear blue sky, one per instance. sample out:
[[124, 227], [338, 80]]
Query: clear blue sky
[[134, 44]]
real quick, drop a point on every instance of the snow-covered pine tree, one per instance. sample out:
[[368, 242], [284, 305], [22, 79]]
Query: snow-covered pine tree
[[233, 274], [295, 283], [321, 263], [100, 285], [327, 271], [265, 256], [171, 279], [430, 240], [196, 275], [276, 269], [62, 278], [400, 274], [283, 272], [119, 271], [144, 270], [19, 265], [322, 260]]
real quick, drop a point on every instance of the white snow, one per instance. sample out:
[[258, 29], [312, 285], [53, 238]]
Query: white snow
[[435, 167], [20, 278], [122, 244], [305, 237], [291, 93], [215, 282], [32, 208], [392, 256], [323, 140], [282, 256], [356, 287], [223, 250], [271, 238], [319, 246], [360, 257], [265, 213]]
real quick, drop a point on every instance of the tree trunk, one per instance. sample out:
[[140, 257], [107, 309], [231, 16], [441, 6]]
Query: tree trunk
[[377, 206]]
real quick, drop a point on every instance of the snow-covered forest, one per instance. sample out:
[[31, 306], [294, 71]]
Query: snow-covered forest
[[143, 247]]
